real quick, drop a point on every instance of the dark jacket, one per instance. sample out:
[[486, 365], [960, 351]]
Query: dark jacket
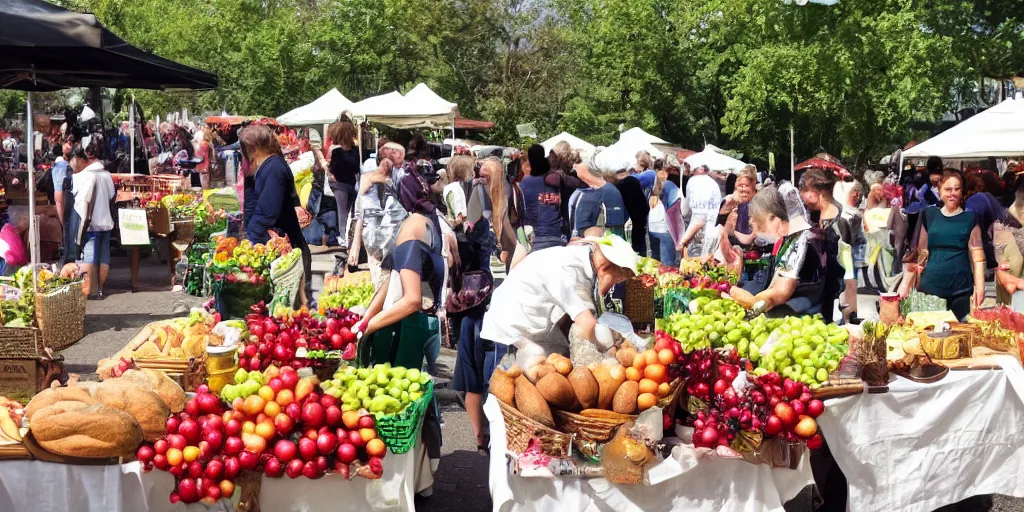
[[274, 200]]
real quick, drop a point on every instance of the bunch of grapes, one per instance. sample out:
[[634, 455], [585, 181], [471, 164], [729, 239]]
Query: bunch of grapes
[[806, 350]]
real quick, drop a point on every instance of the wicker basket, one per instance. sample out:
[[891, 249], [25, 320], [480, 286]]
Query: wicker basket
[[288, 283], [20, 343], [61, 316], [519, 430], [638, 304], [589, 428]]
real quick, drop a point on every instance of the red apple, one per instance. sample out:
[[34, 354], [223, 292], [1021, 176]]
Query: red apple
[[188, 490], [160, 446], [815, 442], [283, 423], [285, 450], [273, 468], [177, 441], [248, 459], [815, 408], [772, 426], [172, 424], [367, 421], [160, 461], [310, 471], [215, 440], [806, 427], [313, 415], [276, 384], [232, 467], [289, 378], [214, 469], [190, 430], [294, 411], [195, 469], [192, 408], [233, 445], [321, 464], [209, 403], [307, 448], [355, 439], [145, 454], [294, 468], [326, 443], [798, 407], [233, 427], [785, 413], [347, 453]]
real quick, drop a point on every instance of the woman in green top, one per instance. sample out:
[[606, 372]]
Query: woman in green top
[[948, 248]]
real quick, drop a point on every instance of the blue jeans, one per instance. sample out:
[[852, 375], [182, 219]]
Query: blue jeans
[[664, 248], [97, 248]]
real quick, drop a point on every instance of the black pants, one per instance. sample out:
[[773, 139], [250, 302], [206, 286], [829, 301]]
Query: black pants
[[829, 479]]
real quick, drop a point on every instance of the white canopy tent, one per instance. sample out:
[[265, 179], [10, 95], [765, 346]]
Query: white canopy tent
[[714, 160], [996, 132], [574, 142], [622, 154], [419, 108], [638, 135], [324, 110]]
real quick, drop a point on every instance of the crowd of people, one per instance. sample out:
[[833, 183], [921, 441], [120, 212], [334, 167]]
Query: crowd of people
[[430, 231]]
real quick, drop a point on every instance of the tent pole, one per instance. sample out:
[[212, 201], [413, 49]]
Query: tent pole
[[899, 178], [453, 138], [792, 154], [33, 235], [131, 126]]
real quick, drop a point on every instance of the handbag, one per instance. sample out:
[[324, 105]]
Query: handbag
[[469, 290]]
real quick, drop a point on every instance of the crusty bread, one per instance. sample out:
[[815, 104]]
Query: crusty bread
[[143, 404], [157, 381], [51, 396], [73, 429]]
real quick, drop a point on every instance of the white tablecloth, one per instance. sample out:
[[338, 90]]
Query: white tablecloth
[[33, 486], [715, 485], [922, 446]]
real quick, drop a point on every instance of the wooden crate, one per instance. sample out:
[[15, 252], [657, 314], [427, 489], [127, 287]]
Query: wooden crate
[[22, 378]]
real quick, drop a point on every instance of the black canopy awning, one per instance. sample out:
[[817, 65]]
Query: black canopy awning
[[44, 47]]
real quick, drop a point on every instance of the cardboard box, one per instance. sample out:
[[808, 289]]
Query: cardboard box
[[18, 378]]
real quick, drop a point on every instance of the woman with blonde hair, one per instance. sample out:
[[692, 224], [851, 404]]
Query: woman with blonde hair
[[455, 193]]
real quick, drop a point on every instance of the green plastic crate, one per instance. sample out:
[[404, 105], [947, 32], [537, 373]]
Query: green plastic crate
[[400, 431]]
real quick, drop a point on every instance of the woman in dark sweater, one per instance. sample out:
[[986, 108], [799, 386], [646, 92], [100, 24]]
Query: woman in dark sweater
[[271, 193]]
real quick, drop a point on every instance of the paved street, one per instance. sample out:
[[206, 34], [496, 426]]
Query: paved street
[[461, 480]]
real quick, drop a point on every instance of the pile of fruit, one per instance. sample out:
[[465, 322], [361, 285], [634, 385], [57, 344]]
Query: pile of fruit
[[339, 294], [243, 262], [382, 389], [728, 411], [804, 349], [284, 428], [278, 338]]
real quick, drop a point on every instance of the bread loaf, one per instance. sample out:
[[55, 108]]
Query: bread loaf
[[530, 402], [503, 387], [157, 381], [555, 388], [624, 401], [73, 429], [51, 396], [584, 385], [148, 409]]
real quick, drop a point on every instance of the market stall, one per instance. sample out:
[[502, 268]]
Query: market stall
[[715, 160], [710, 411]]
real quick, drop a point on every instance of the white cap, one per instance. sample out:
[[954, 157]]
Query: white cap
[[617, 250]]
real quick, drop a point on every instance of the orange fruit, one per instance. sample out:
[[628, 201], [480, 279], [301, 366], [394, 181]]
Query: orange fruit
[[350, 419], [656, 372], [666, 356], [367, 434], [285, 397], [375, 448], [266, 430], [664, 389], [650, 357], [227, 488], [646, 401], [639, 361], [648, 386], [249, 427], [633, 374], [190, 453], [266, 393], [174, 456], [272, 409], [253, 405]]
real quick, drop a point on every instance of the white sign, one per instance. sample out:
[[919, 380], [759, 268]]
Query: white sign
[[134, 226]]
